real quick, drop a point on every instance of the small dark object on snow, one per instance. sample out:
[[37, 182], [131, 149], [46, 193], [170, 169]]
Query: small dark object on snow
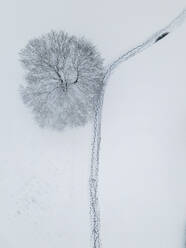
[[162, 36]]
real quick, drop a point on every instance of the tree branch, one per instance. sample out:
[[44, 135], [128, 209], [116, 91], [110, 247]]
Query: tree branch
[[77, 77], [46, 92]]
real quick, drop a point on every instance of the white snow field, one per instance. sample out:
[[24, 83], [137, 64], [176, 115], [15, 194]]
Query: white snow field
[[44, 174]]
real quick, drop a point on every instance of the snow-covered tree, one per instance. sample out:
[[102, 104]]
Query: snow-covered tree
[[65, 86], [64, 76]]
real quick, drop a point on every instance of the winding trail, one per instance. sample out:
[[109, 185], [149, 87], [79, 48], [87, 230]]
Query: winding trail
[[94, 169]]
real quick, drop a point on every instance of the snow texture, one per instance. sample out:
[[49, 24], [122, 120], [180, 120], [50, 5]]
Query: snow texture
[[43, 174]]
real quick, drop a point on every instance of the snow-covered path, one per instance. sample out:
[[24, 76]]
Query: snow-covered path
[[44, 174]]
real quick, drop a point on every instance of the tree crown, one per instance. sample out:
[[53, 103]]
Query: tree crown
[[64, 77]]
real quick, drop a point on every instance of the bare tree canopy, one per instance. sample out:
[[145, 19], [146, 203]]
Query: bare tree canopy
[[65, 86], [64, 77]]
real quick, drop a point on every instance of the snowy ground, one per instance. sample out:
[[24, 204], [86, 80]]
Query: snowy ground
[[44, 174]]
